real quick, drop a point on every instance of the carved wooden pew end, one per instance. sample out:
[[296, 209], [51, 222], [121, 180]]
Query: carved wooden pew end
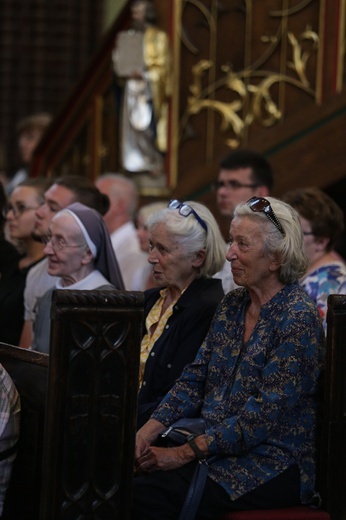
[[79, 407]]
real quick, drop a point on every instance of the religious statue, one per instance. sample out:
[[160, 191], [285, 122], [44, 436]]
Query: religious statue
[[142, 66]]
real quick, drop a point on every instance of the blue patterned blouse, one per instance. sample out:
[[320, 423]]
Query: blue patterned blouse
[[260, 398], [323, 281]]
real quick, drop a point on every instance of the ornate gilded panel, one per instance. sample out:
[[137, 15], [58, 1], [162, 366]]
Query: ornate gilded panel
[[246, 65]]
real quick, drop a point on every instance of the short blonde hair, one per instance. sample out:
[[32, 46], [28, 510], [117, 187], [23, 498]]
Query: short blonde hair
[[288, 249]]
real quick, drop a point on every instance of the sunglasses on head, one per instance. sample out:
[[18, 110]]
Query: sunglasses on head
[[185, 210], [262, 205]]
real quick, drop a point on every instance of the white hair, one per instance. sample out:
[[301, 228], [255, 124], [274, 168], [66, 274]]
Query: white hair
[[289, 249], [191, 235]]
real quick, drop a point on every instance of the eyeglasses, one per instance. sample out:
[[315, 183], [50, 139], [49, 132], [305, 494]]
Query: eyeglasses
[[232, 185], [185, 210], [58, 243], [262, 205], [17, 210]]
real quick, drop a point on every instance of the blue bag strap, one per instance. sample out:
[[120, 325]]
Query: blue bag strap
[[195, 491]]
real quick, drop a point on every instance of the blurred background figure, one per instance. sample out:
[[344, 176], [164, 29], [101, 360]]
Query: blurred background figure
[[9, 254], [119, 219], [30, 131], [24, 200], [186, 249], [322, 222], [143, 215], [145, 92], [242, 174]]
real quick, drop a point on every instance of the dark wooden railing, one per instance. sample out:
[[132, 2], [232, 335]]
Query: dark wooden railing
[[333, 470]]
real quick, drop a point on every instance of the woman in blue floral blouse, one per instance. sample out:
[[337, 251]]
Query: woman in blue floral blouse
[[322, 222], [255, 381]]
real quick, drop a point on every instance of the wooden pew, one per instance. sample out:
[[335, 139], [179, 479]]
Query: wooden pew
[[29, 371], [333, 461], [92, 403], [78, 425], [84, 446]]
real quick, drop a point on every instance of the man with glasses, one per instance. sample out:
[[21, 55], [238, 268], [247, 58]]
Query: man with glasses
[[63, 192], [242, 175]]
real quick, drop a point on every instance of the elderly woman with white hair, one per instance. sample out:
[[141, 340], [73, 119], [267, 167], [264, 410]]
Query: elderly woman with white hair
[[80, 253], [254, 382], [185, 250]]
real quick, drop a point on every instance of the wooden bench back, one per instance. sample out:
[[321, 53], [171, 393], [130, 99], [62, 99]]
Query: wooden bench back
[[333, 461], [29, 371], [75, 460], [79, 406], [92, 404]]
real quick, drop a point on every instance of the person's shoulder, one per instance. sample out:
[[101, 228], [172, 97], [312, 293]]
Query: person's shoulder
[[47, 295], [107, 287], [8, 250], [8, 390], [39, 268], [226, 276], [236, 295], [9, 257], [205, 289], [126, 237], [337, 271], [299, 306], [28, 268], [154, 292], [151, 296]]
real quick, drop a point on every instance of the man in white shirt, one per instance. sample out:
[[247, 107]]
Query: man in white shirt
[[119, 219]]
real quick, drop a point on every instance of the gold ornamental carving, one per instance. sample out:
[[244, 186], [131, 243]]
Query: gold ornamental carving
[[255, 93]]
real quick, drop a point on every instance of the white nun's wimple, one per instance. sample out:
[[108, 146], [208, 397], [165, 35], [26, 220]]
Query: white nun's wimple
[[88, 240]]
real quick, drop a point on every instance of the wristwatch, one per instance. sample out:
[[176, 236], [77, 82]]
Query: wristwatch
[[192, 443]]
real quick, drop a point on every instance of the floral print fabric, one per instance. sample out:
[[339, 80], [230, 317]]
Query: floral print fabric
[[259, 398], [326, 280]]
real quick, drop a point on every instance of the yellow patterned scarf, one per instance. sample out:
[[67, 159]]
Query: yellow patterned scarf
[[152, 319]]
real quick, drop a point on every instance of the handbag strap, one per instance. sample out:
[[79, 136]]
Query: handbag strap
[[195, 491]]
